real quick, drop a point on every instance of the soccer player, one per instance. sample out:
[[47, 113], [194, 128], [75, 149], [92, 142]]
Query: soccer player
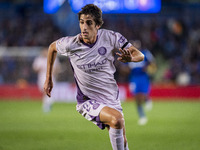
[[140, 81], [91, 56], [39, 66]]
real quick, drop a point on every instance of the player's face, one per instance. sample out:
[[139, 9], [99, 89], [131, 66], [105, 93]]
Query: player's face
[[88, 28]]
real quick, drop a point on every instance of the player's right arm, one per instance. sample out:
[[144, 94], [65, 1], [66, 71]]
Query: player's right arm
[[52, 53]]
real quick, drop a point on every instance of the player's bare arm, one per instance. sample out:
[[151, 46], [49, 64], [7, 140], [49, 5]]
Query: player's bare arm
[[48, 85], [130, 54]]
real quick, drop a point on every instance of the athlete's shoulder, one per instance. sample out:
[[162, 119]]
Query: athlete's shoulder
[[106, 31], [65, 44], [69, 39], [108, 34]]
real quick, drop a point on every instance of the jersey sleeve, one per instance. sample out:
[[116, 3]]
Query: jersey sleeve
[[120, 41], [62, 46]]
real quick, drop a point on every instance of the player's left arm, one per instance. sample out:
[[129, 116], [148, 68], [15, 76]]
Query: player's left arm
[[130, 54]]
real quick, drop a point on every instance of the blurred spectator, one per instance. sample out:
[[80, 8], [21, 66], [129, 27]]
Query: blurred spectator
[[40, 67]]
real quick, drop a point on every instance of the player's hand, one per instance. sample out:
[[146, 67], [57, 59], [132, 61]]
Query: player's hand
[[48, 86], [124, 56]]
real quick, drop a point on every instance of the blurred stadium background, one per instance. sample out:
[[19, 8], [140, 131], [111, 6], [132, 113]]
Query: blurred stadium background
[[173, 36]]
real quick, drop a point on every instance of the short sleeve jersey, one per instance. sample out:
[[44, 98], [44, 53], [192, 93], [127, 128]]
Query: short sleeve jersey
[[93, 65]]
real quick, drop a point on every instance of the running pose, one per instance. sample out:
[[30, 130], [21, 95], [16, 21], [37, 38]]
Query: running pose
[[91, 55]]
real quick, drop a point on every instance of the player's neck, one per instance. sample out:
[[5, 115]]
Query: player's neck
[[89, 43], [91, 40]]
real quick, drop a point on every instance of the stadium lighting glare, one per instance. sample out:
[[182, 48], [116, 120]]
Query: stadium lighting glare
[[143, 2], [78, 4], [119, 6], [111, 5], [131, 4], [52, 6]]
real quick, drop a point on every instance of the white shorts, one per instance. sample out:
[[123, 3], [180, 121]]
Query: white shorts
[[91, 109]]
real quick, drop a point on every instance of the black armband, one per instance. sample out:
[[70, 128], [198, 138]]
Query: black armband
[[124, 45]]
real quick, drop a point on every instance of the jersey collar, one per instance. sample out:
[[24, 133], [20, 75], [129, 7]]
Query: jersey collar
[[89, 45]]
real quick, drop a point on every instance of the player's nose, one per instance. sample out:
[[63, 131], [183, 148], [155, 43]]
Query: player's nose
[[85, 26]]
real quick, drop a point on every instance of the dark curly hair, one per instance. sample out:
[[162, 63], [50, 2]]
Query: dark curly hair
[[94, 11]]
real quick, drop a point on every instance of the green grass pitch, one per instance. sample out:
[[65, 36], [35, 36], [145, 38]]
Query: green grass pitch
[[23, 126]]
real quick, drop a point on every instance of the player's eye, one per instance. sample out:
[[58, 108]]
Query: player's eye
[[89, 23]]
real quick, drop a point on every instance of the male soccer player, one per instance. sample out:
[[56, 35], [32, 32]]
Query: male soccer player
[[140, 81], [91, 57], [40, 69]]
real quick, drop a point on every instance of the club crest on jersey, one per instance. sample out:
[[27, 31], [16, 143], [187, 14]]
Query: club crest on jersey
[[102, 50]]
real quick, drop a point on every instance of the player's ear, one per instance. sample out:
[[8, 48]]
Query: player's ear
[[98, 26]]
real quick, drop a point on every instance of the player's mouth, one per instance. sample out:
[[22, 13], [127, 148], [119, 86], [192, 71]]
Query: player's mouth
[[85, 33]]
